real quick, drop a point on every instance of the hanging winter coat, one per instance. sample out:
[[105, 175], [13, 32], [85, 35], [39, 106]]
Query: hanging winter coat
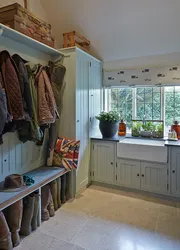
[[10, 83], [3, 109], [33, 133], [24, 84], [47, 111], [57, 72]]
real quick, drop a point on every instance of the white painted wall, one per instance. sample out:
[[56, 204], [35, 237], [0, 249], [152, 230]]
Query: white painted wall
[[119, 29]]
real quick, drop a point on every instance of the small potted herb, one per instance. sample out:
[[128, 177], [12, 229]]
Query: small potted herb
[[108, 123]]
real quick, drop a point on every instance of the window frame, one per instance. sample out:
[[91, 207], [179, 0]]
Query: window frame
[[107, 100]]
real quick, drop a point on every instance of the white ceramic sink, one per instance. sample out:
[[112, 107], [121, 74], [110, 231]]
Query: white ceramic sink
[[143, 142], [139, 149]]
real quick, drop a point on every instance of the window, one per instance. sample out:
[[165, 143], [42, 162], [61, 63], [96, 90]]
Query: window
[[155, 103], [148, 103]]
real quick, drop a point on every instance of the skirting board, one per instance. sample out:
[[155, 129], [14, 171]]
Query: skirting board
[[130, 190]]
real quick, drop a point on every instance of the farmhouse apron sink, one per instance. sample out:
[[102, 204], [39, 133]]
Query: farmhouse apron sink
[[139, 149]]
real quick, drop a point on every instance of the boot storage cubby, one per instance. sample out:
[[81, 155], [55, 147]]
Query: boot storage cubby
[[22, 210]]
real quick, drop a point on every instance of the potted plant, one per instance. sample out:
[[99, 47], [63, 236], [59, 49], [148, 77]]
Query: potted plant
[[108, 123]]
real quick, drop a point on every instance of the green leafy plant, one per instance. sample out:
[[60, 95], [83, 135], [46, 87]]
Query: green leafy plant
[[111, 116], [136, 128], [148, 126]]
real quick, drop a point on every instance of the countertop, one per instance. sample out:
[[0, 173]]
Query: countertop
[[117, 138]]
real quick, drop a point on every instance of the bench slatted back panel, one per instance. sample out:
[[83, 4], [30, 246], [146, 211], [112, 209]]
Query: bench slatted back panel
[[18, 157]]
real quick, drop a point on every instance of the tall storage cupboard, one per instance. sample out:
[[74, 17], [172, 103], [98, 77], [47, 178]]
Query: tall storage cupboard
[[82, 101]]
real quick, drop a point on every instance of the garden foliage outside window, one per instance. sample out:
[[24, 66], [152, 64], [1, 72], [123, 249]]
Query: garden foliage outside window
[[153, 103]]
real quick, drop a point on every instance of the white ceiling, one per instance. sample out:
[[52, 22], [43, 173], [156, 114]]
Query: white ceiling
[[119, 29]]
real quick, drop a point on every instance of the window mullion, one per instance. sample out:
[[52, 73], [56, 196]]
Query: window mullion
[[134, 104]]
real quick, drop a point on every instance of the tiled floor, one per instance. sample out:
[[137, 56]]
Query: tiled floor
[[102, 218]]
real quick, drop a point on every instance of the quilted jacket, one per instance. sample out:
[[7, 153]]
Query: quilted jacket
[[47, 111], [10, 83]]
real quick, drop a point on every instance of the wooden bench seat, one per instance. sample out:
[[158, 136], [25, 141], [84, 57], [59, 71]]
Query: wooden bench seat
[[41, 175]]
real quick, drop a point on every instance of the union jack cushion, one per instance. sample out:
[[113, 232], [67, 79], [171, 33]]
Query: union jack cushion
[[76, 154], [66, 153]]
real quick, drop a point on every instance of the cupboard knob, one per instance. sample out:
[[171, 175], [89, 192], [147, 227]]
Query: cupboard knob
[[174, 171], [111, 163], [77, 120], [142, 175], [137, 174]]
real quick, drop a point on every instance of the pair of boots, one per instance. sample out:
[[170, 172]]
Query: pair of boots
[[47, 206], [65, 187], [30, 214], [55, 187], [13, 215], [5, 235]]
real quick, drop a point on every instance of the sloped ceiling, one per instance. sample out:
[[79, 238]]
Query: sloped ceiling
[[119, 29]]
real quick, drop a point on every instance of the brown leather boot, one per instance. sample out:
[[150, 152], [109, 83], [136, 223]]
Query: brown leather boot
[[28, 210], [45, 200], [51, 207], [5, 235], [34, 222], [63, 189], [53, 187], [59, 192], [14, 218]]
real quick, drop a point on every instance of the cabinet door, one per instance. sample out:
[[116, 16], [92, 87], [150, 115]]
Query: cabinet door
[[103, 162], [95, 94], [154, 177], [175, 171], [82, 120], [128, 173]]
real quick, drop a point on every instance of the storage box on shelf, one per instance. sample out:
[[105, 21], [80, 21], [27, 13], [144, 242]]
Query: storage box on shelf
[[72, 39], [20, 19]]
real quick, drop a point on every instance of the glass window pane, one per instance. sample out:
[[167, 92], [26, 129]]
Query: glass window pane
[[121, 101], [177, 88], [177, 98], [140, 111], [157, 97], [140, 90], [157, 89], [148, 90], [148, 111], [156, 111]]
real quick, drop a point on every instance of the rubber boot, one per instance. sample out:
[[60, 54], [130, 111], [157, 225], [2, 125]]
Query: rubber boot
[[28, 210], [14, 218], [53, 187], [59, 192], [51, 207], [45, 201], [63, 189], [67, 191], [34, 222], [5, 235]]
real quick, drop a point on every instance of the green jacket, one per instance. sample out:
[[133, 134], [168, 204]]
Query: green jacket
[[36, 133]]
